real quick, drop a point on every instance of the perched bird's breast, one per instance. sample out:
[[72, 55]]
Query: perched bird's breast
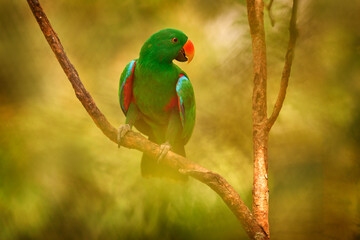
[[155, 94]]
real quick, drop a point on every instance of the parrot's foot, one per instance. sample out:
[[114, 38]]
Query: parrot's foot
[[123, 129], [164, 149]]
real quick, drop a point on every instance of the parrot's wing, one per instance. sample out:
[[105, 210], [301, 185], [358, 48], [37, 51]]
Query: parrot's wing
[[186, 103], [126, 85]]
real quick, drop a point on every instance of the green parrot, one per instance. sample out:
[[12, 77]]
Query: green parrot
[[157, 98]]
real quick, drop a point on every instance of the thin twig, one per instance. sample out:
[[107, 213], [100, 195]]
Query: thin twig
[[137, 141], [268, 7], [287, 67]]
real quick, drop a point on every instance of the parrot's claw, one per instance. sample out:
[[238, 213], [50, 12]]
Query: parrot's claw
[[123, 129], [164, 149]]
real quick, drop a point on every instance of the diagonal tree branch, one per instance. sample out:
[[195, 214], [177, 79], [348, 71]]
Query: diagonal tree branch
[[287, 67], [137, 141]]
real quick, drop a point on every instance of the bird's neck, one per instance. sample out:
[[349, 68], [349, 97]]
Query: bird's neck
[[155, 65]]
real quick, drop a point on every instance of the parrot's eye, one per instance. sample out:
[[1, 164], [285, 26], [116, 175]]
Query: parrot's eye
[[174, 40]]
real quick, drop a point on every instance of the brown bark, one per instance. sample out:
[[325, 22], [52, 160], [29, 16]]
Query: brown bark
[[262, 124], [259, 114], [137, 141]]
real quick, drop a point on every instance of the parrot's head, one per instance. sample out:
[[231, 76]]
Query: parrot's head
[[167, 45]]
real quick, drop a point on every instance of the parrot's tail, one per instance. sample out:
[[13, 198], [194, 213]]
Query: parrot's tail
[[150, 167]]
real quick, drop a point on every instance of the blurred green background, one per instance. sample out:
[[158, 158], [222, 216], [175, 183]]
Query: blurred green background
[[61, 178]]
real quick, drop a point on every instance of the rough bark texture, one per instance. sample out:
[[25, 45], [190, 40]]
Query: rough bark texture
[[262, 124], [259, 114], [137, 141]]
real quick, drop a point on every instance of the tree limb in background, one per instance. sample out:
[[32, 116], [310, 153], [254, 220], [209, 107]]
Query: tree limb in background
[[287, 67], [268, 7], [137, 141], [262, 124]]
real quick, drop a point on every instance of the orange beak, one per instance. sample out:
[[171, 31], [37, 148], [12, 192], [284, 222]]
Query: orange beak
[[189, 50]]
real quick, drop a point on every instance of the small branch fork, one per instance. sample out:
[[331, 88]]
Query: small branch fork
[[137, 141], [261, 123]]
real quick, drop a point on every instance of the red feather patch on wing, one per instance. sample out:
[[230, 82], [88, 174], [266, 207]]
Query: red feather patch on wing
[[126, 94], [171, 104]]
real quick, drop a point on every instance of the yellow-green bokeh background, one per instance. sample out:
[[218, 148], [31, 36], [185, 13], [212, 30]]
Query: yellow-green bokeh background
[[61, 178]]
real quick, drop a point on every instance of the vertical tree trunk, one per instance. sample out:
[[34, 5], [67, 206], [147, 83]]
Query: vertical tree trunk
[[259, 114]]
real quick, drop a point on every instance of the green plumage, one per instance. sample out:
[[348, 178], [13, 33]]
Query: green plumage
[[158, 97]]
